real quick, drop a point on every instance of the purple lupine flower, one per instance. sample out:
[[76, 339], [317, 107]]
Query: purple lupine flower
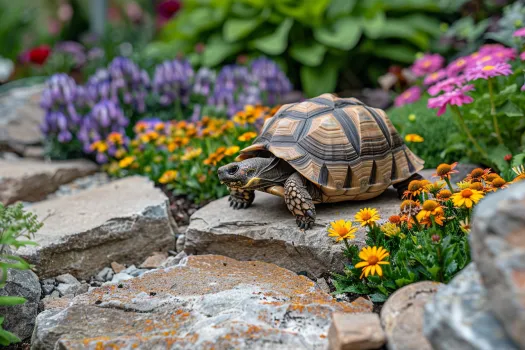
[[172, 81], [61, 99], [271, 79], [232, 88], [105, 117], [129, 82], [204, 81]]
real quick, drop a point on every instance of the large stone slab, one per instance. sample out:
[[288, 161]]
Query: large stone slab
[[458, 317], [402, 316], [267, 231], [498, 248], [122, 221], [32, 180], [21, 117], [206, 302], [20, 319]]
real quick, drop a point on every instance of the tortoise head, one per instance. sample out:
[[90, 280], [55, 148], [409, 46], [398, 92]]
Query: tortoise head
[[255, 173]]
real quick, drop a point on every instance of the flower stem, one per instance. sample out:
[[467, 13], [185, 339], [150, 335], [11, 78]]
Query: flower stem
[[447, 180], [346, 244], [461, 122], [493, 112]]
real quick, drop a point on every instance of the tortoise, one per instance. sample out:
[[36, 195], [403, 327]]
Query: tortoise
[[325, 149]]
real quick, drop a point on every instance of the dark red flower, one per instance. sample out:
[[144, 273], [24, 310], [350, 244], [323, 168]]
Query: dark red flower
[[39, 54], [168, 8], [508, 157]]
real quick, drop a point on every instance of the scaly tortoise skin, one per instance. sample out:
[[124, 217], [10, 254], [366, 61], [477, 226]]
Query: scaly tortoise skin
[[325, 149]]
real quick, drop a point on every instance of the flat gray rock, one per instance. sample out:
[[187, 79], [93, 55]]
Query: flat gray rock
[[402, 316], [32, 180], [122, 221], [20, 319], [458, 317], [205, 302], [267, 231], [21, 116], [498, 248]]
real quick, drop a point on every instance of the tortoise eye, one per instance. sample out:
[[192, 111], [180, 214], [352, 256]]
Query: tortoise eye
[[233, 169]]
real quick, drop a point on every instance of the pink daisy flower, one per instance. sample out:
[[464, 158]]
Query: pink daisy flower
[[522, 56], [491, 48], [519, 32], [523, 88], [410, 95], [455, 97], [429, 63], [435, 77], [488, 71], [446, 85], [457, 66]]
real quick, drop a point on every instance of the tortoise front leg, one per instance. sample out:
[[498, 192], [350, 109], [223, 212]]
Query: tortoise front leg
[[299, 201], [240, 199]]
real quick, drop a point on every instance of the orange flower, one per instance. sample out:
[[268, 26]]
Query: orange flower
[[445, 170], [477, 174], [247, 136], [431, 208]]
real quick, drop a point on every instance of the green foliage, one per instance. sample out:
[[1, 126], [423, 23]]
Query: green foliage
[[439, 133], [15, 20], [513, 18], [315, 40], [14, 225]]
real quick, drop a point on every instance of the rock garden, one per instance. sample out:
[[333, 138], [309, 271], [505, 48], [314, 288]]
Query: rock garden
[[262, 175]]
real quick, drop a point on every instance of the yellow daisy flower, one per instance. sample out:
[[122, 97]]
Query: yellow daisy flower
[[191, 154], [466, 198], [126, 162], [99, 146], [230, 151], [373, 258], [342, 230], [247, 136], [367, 216], [168, 176], [414, 138]]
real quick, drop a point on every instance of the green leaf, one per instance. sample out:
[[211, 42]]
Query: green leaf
[[276, 43], [310, 55], [10, 301], [319, 80], [374, 27], [424, 23], [217, 50], [398, 28], [340, 8], [343, 34], [235, 29], [518, 159], [510, 110], [378, 298], [400, 53], [497, 156]]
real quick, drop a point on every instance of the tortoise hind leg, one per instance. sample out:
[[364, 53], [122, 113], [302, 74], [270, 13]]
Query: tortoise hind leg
[[402, 186], [299, 201], [240, 199]]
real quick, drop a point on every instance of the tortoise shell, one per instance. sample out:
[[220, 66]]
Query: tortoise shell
[[347, 149]]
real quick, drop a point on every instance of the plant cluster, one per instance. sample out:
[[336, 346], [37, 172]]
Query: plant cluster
[[180, 155], [482, 93], [113, 99], [14, 225], [428, 240], [314, 40]]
